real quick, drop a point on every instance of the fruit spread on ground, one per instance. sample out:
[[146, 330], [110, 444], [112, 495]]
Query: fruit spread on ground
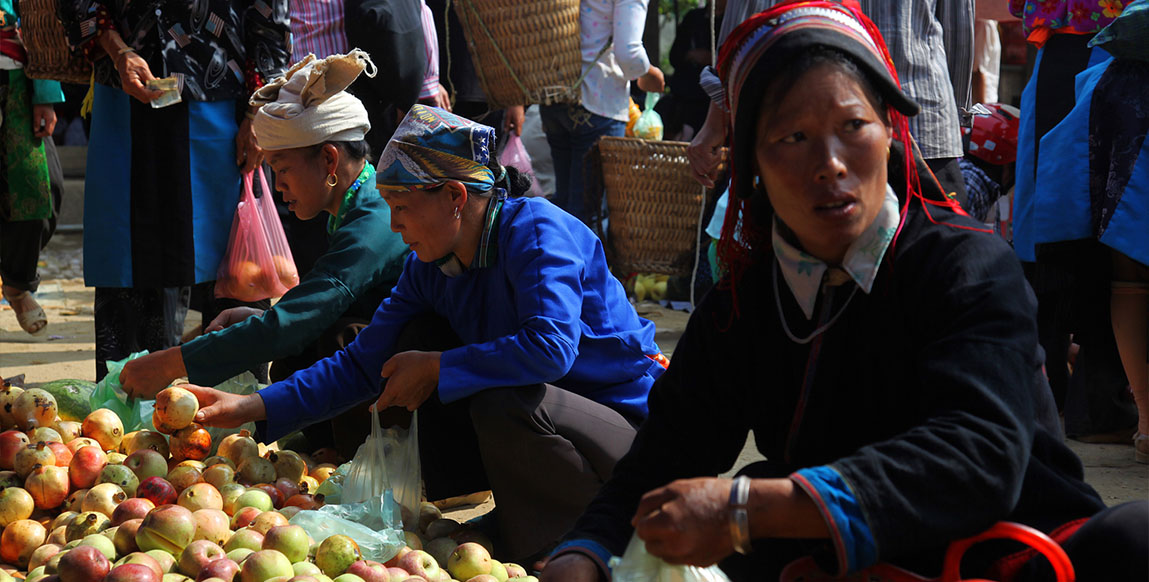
[[80, 501]]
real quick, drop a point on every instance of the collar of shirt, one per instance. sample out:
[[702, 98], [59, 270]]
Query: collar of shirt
[[804, 273]]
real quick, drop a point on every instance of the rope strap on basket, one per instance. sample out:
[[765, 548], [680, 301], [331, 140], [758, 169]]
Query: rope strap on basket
[[568, 92]]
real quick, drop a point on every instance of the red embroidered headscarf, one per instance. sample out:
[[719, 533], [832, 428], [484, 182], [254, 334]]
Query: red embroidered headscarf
[[754, 55]]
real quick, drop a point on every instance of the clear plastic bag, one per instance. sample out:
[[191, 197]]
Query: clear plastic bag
[[371, 524], [258, 262], [515, 155], [637, 565], [367, 476], [387, 464], [401, 450], [649, 124]]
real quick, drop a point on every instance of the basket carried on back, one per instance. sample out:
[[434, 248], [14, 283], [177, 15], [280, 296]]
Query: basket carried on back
[[49, 56], [525, 52], [653, 203]]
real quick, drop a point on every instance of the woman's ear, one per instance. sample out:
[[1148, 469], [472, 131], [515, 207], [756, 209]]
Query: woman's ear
[[458, 193], [331, 158]]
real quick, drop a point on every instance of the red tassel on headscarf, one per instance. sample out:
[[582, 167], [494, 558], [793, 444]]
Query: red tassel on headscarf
[[736, 252]]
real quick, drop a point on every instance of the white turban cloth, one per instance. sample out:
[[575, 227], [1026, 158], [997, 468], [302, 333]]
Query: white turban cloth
[[308, 105]]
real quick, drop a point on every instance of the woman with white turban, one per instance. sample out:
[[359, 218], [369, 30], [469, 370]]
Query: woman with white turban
[[312, 131]]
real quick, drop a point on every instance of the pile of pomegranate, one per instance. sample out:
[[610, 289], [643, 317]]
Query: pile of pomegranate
[[84, 502]]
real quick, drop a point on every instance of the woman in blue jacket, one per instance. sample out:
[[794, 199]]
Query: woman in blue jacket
[[528, 364]]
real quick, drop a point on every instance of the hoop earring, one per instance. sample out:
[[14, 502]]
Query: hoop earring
[[457, 216], [332, 180]]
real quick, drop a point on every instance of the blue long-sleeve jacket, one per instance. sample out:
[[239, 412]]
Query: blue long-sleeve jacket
[[547, 310]]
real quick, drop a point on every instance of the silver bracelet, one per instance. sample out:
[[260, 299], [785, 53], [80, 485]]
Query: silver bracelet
[[739, 518]]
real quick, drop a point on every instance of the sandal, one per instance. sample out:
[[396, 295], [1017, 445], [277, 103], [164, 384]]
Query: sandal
[[34, 320], [1141, 448]]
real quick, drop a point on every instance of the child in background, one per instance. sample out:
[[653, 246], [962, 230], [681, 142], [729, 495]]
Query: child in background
[[988, 166]]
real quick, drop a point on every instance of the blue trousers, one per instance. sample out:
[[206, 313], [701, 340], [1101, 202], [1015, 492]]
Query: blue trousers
[[571, 131]]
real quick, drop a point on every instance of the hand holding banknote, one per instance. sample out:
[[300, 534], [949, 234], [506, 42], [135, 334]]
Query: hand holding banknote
[[133, 69], [169, 92]]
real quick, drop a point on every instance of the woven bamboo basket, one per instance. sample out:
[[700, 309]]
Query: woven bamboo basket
[[49, 56], [525, 52], [653, 203]]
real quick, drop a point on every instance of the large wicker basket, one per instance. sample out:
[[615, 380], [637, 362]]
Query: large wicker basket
[[653, 204], [525, 51], [49, 56]]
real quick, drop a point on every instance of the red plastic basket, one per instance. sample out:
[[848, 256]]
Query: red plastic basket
[[806, 570]]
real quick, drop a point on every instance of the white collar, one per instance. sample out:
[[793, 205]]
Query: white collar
[[804, 273]]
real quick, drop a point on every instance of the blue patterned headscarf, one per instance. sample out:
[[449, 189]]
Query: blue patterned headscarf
[[433, 146]]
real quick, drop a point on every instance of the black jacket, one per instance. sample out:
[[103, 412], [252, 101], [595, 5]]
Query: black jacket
[[924, 395]]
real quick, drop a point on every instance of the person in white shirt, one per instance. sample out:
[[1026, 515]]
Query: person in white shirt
[[572, 129]]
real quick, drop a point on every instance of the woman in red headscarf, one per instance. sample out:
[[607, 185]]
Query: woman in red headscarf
[[879, 343]]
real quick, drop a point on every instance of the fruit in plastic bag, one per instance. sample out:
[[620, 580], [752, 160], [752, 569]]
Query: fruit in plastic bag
[[288, 275], [633, 113], [249, 271], [649, 124]]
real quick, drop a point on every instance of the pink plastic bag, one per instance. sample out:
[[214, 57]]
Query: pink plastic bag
[[258, 262], [516, 156]]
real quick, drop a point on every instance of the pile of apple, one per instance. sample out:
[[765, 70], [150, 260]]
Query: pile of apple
[[84, 502], [443, 550]]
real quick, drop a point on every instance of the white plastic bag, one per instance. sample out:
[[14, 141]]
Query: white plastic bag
[[367, 477], [387, 464], [401, 451], [636, 565]]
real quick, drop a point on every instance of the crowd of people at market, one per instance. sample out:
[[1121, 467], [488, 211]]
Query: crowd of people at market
[[908, 356]]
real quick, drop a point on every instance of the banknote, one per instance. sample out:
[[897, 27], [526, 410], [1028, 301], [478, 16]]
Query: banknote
[[170, 91]]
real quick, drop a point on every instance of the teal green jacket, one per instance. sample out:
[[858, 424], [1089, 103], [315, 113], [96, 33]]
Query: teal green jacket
[[362, 263], [43, 90]]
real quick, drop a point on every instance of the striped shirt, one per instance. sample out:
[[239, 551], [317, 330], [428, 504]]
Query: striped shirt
[[317, 28], [431, 43], [931, 44]]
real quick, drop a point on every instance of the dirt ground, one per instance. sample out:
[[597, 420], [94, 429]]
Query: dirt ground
[[68, 351]]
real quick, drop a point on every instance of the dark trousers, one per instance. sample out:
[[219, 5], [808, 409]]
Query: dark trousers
[[1097, 398], [543, 451], [1071, 278], [1112, 545], [132, 319], [22, 240], [571, 131], [347, 431]]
